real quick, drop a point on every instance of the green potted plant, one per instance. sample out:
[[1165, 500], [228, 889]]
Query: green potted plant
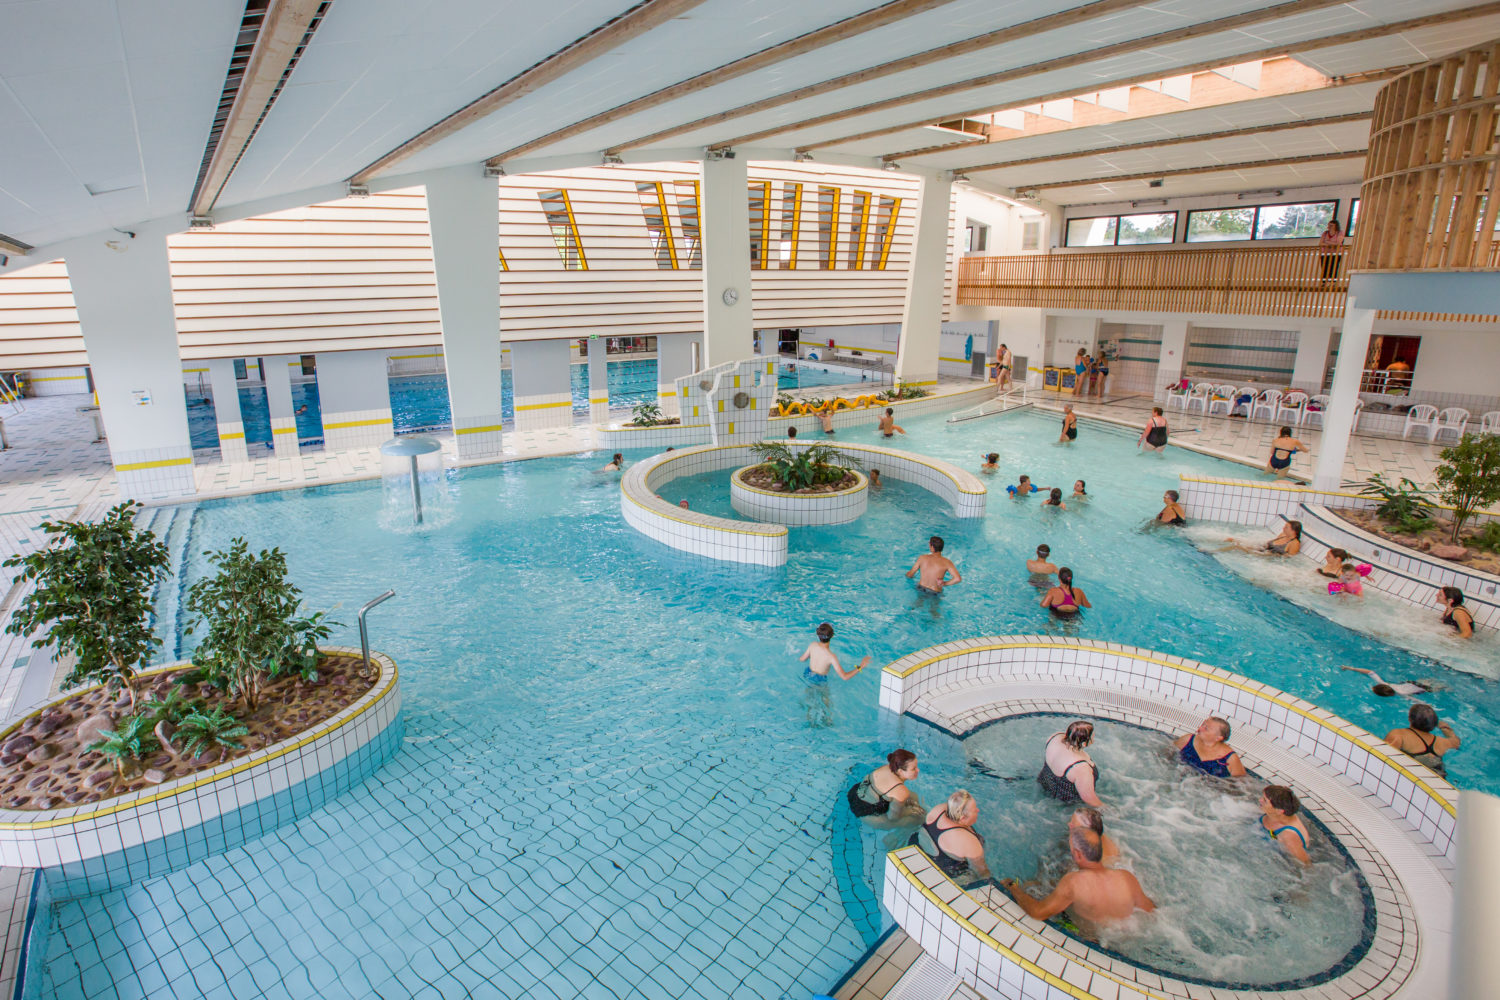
[[645, 414], [126, 743], [93, 591], [1469, 477], [254, 632], [802, 468], [202, 732]]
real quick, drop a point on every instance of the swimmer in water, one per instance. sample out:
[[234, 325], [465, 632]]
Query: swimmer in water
[[820, 659], [1064, 599], [1069, 426], [888, 426], [614, 463], [1094, 895], [791, 433], [1333, 564], [991, 464], [683, 504], [1079, 492], [1208, 749], [1024, 487], [1282, 450], [1416, 738], [934, 568], [1408, 689], [1279, 820], [1068, 773], [1088, 818], [882, 798], [1287, 543], [826, 419], [1457, 615], [875, 483], [1040, 566], [948, 838], [1054, 499], [1173, 513], [1350, 582]]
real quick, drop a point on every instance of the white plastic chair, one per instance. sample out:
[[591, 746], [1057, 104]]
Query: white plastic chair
[[1316, 407], [1199, 395], [1489, 423], [1293, 405], [1267, 402], [1222, 398], [1453, 420], [1244, 399], [1359, 407], [1177, 398], [1422, 415]]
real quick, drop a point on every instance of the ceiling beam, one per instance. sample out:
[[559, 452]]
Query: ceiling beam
[[989, 39], [836, 32], [1325, 41], [1174, 141], [636, 21], [277, 43], [1162, 118], [10, 246], [1213, 168]]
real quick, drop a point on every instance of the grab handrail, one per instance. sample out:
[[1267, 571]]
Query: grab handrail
[[364, 635]]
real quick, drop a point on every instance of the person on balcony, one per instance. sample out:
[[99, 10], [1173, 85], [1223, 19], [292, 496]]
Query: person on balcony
[[1330, 243]]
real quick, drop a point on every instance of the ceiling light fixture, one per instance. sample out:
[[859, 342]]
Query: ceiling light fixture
[[959, 177], [353, 190], [1263, 192], [15, 247], [801, 156], [494, 171], [612, 160], [891, 165], [200, 222], [1148, 202]]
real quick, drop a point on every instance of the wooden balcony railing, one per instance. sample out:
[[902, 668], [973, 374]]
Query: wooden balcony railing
[[1280, 281]]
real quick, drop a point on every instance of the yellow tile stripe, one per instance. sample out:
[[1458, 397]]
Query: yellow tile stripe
[[846, 347], [478, 430], [1263, 691], [137, 466], [544, 406], [283, 430], [213, 776], [231, 434], [1028, 965], [64, 378], [185, 371], [601, 399], [356, 423], [408, 357]]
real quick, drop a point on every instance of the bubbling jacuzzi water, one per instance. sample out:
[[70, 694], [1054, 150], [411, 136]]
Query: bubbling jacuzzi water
[[1232, 909]]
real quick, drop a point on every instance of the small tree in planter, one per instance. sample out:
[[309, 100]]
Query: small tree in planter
[[646, 414], [93, 589], [1469, 477], [815, 465], [254, 632]]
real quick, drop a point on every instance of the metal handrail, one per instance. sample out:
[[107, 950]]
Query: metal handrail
[[364, 635]]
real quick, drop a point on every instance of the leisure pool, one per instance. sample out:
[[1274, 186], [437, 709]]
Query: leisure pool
[[609, 779]]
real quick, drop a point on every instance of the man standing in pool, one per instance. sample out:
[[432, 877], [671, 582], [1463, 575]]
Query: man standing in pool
[[1093, 894], [820, 659], [888, 425], [934, 568]]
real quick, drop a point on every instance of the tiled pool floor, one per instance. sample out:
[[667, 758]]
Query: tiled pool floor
[[524, 904]]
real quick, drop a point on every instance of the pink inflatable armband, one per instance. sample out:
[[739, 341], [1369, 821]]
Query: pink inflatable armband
[[1335, 587], [1364, 569]]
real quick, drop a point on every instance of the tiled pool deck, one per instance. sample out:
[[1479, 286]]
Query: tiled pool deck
[[55, 470]]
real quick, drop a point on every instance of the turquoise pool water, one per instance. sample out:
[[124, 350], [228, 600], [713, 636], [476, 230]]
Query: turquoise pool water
[[255, 414], [609, 781]]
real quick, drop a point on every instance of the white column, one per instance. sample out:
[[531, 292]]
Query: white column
[[463, 209], [598, 379], [922, 314], [541, 383], [674, 359], [1312, 357], [1474, 960], [1338, 419], [277, 371], [1174, 340], [724, 215], [227, 415], [123, 294], [355, 396]]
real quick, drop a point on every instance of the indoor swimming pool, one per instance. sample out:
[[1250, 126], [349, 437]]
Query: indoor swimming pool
[[609, 780], [254, 413]]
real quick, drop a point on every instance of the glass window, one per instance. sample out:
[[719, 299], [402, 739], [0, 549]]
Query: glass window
[[1293, 222], [1096, 232], [760, 223], [828, 227], [558, 210], [979, 236], [240, 371], [1214, 224], [1353, 217], [885, 230], [1153, 227], [791, 222], [654, 208], [687, 213], [859, 229], [309, 364]]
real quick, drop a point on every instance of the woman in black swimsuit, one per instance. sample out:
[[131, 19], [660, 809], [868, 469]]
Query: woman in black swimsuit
[[1154, 437], [1173, 512], [1067, 772], [1457, 615], [948, 838], [883, 799], [1418, 740], [1069, 425]]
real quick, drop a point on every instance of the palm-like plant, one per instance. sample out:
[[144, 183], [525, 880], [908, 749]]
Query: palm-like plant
[[172, 708], [126, 742], [202, 731], [804, 467]]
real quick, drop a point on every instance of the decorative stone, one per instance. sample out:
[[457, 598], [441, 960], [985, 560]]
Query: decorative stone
[[98, 778], [155, 775], [1450, 552], [45, 802], [49, 726], [44, 752], [75, 796], [88, 732], [164, 733], [20, 744], [38, 782], [9, 759]]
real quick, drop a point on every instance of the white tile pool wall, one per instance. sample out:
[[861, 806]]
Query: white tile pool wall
[[800, 509]]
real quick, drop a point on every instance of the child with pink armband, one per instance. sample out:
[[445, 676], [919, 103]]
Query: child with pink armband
[[1351, 580]]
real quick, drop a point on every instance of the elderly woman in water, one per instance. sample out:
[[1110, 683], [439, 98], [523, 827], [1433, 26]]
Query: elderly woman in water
[[1208, 750], [1068, 774], [882, 798]]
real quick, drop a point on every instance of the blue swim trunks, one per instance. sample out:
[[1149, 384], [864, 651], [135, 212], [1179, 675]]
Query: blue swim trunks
[[814, 679]]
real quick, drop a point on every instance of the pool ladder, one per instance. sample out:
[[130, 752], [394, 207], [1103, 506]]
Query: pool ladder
[[1015, 399], [364, 634]]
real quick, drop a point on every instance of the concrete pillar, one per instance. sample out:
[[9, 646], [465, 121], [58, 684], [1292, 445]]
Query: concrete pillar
[[278, 375], [598, 379], [1312, 357], [226, 390], [355, 396], [1473, 958], [1338, 419], [123, 294], [540, 383], [674, 359], [463, 210], [728, 327], [1169, 363], [922, 314]]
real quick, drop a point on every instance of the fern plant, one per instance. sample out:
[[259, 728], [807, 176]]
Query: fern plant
[[172, 708], [811, 466], [1402, 503], [126, 742], [202, 731], [646, 414]]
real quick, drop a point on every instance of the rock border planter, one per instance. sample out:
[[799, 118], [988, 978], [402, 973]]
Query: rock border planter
[[835, 507], [104, 845]]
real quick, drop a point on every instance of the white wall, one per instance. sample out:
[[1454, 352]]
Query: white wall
[[57, 381], [1460, 360], [1066, 334]]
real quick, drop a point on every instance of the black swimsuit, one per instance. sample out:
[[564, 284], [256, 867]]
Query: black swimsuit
[[1057, 785], [928, 838], [1433, 760], [1070, 432], [862, 806]]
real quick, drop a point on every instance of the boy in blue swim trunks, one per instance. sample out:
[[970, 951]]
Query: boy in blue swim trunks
[[820, 659]]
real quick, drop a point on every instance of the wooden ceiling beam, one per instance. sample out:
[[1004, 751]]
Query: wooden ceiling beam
[[838, 31], [1213, 168], [1325, 41], [989, 39], [635, 22]]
